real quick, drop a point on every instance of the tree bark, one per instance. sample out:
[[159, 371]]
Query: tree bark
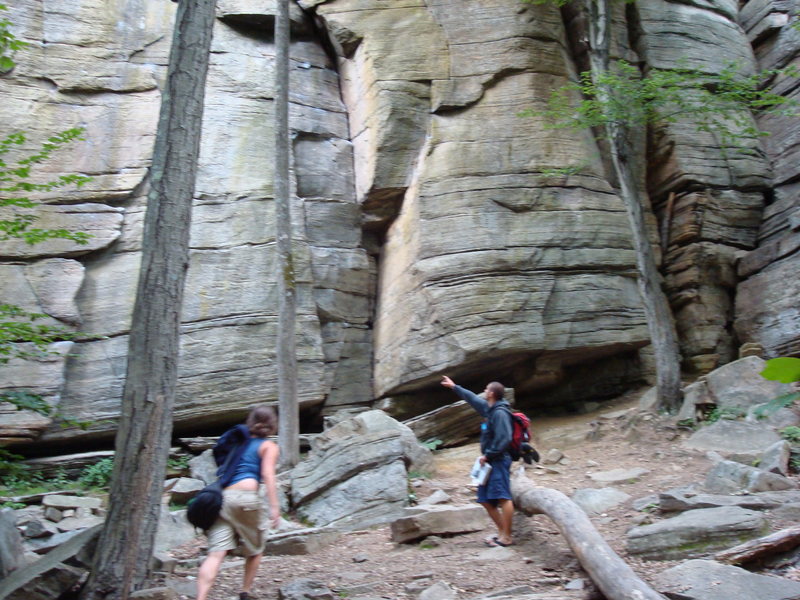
[[657, 310], [125, 547], [615, 579], [761, 548], [288, 426]]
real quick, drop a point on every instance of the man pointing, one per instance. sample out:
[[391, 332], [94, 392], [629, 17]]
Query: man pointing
[[496, 432]]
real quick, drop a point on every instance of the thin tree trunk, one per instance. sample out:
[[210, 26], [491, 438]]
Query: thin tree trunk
[[657, 310], [607, 570], [125, 548], [289, 430]]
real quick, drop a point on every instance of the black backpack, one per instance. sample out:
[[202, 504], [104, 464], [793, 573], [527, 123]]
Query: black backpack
[[205, 507]]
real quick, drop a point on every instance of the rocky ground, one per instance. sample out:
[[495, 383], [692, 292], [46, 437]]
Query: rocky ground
[[368, 564]]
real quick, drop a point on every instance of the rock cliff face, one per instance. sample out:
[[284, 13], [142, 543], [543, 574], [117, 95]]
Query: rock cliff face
[[431, 237]]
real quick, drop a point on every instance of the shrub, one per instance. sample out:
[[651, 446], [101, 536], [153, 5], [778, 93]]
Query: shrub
[[97, 475]]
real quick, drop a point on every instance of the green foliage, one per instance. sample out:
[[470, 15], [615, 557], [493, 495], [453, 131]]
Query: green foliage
[[794, 462], [9, 44], [18, 326], [418, 474], [19, 478], [14, 187], [178, 463], [784, 369], [97, 475], [10, 466], [792, 434], [720, 104], [432, 443], [782, 401], [12, 505], [730, 413], [18, 330]]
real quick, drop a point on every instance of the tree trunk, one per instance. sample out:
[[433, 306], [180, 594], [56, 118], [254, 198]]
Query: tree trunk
[[607, 570], [288, 429], [125, 548], [761, 548], [657, 310]]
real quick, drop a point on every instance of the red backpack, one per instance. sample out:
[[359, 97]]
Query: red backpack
[[520, 446]]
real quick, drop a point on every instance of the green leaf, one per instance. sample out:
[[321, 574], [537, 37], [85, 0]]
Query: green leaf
[[784, 369]]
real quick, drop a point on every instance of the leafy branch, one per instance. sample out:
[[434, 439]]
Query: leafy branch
[[14, 184], [9, 44], [18, 326], [719, 105], [18, 330]]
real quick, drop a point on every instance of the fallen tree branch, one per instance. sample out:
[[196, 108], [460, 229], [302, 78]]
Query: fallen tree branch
[[758, 549], [607, 570]]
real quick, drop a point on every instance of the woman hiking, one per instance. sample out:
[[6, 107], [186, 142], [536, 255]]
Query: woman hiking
[[244, 519]]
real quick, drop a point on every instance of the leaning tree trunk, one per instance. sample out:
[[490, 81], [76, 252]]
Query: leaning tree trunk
[[289, 430], [607, 570], [125, 548], [657, 310]]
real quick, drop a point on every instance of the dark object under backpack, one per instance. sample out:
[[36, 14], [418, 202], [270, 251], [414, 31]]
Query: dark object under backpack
[[205, 507], [203, 510]]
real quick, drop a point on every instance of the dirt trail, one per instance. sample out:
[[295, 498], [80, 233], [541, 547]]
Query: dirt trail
[[369, 565]]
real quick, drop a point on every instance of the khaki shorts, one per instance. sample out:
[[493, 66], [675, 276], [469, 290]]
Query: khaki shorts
[[243, 521]]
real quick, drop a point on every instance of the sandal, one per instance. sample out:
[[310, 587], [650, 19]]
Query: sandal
[[497, 542]]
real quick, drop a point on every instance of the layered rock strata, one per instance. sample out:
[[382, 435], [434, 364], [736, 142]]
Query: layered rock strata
[[431, 233], [767, 312]]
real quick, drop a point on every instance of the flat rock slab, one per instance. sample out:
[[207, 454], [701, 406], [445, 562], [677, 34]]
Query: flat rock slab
[[709, 580], [619, 475], [597, 501], [678, 500], [62, 502], [733, 437], [438, 520], [301, 541], [696, 532]]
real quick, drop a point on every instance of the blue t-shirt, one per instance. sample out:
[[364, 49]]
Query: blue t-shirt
[[249, 466]]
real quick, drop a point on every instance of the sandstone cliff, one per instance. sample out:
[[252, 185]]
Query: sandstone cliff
[[430, 237]]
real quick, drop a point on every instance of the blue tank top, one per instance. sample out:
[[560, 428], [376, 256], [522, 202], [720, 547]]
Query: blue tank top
[[249, 466]]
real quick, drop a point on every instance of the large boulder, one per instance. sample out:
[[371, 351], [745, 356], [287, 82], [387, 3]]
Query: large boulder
[[729, 477], [733, 437], [739, 385], [10, 542], [695, 532], [357, 471], [710, 580]]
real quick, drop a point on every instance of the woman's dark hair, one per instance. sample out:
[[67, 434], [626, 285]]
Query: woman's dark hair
[[262, 421]]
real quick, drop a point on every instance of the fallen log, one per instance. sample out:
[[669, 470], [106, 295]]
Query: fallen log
[[607, 570], [763, 547]]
